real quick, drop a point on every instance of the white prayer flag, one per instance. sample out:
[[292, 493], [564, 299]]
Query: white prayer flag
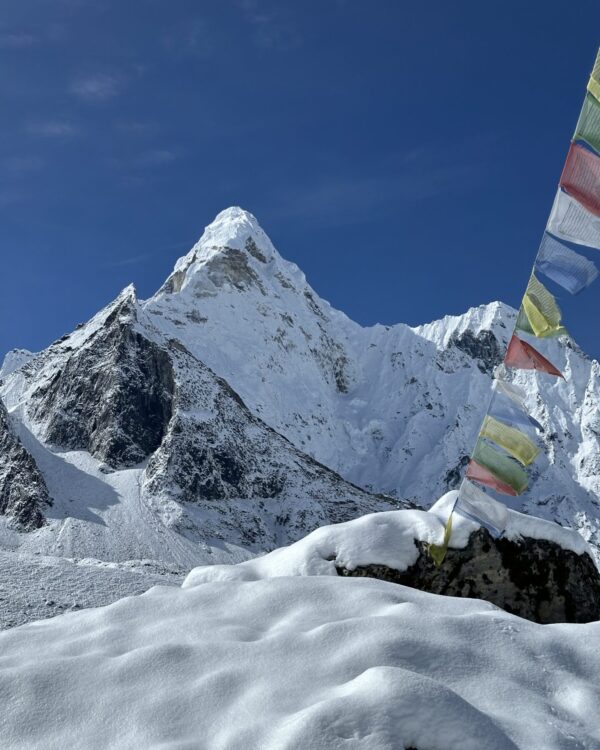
[[514, 392], [474, 504], [572, 222]]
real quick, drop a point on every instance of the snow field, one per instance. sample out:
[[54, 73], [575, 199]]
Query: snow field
[[298, 662], [280, 653]]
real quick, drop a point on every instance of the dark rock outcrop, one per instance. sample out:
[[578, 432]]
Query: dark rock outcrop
[[483, 348], [23, 491], [113, 397], [533, 578]]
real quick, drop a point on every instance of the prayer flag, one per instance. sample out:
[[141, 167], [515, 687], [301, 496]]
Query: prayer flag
[[477, 506], [541, 310], [581, 177], [503, 467], [594, 82], [523, 323], [478, 473], [564, 266], [514, 392], [505, 470], [522, 356], [572, 222], [588, 125], [507, 411], [438, 551], [513, 441]]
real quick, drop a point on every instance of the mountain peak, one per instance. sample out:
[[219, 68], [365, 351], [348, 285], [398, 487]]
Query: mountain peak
[[231, 228], [230, 225]]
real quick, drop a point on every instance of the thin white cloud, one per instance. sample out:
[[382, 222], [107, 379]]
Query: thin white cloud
[[193, 39], [52, 128], [156, 158], [10, 195], [97, 87], [16, 40], [23, 164], [137, 127], [273, 27], [131, 261], [350, 200]]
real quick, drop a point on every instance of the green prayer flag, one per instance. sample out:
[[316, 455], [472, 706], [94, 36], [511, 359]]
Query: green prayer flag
[[512, 440], [588, 125], [523, 323], [504, 468]]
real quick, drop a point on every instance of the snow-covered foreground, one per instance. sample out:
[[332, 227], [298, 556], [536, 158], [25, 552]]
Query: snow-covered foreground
[[279, 653], [306, 663]]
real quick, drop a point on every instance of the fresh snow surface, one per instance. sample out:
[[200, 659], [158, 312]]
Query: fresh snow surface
[[378, 539], [302, 663], [518, 525]]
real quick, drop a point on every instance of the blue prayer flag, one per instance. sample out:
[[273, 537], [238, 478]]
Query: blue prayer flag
[[571, 270]]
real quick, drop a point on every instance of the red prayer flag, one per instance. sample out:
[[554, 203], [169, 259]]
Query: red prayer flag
[[581, 177], [522, 356], [479, 473]]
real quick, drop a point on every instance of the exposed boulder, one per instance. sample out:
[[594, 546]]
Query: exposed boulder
[[537, 579], [23, 491]]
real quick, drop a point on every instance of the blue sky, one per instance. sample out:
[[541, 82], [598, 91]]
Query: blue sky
[[405, 155]]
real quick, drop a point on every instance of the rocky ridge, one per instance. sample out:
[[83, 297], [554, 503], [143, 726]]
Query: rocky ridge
[[23, 492]]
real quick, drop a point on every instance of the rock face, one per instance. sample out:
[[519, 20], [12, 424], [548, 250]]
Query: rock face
[[534, 578], [113, 397], [23, 491], [249, 483]]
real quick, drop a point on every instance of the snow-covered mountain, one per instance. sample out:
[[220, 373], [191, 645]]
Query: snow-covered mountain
[[393, 409], [118, 411], [235, 410]]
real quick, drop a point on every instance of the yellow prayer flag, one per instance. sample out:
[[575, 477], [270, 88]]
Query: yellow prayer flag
[[594, 88], [437, 552], [512, 440], [594, 82], [543, 313]]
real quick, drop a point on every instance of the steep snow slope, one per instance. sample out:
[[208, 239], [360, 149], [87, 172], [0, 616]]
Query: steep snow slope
[[393, 409], [254, 656]]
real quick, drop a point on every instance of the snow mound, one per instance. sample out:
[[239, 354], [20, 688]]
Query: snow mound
[[386, 538], [297, 663]]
